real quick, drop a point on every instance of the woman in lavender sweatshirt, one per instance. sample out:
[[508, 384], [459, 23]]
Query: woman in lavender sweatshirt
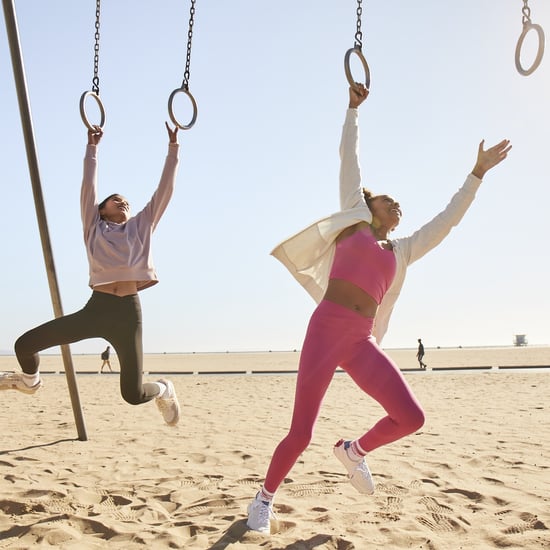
[[119, 254]]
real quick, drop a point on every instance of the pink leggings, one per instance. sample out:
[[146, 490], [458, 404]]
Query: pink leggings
[[339, 336]]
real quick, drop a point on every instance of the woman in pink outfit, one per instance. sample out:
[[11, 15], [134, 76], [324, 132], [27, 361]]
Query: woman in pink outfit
[[354, 270]]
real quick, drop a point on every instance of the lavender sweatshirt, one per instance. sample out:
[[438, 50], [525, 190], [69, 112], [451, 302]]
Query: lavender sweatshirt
[[122, 252]]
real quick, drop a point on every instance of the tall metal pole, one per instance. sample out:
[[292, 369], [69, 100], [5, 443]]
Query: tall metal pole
[[32, 160]]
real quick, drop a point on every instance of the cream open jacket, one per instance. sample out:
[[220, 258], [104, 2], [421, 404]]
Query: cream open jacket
[[308, 255]]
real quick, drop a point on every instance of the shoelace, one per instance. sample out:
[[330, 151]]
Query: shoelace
[[362, 467], [266, 512]]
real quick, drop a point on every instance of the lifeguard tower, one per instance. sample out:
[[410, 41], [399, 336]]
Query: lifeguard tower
[[520, 339]]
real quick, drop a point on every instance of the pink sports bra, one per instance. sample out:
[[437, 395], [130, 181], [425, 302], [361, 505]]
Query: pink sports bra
[[361, 260]]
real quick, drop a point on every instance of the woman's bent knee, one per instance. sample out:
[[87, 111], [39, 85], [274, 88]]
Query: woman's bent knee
[[132, 398], [298, 441], [415, 420], [21, 346]]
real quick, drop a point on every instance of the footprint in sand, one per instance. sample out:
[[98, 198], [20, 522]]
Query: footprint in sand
[[390, 508], [391, 489], [222, 502], [438, 518], [416, 483], [255, 481], [440, 523], [312, 489], [528, 522], [390, 503], [472, 495], [206, 483], [433, 506], [113, 505]]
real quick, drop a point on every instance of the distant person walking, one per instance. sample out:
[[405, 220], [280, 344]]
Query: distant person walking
[[420, 354], [105, 357]]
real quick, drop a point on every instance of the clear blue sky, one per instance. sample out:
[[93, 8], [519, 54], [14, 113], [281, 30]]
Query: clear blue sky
[[262, 162]]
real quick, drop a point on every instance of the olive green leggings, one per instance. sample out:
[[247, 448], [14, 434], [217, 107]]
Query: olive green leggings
[[116, 319]]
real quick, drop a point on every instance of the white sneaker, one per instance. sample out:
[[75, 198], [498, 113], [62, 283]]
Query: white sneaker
[[358, 472], [15, 381], [168, 404], [259, 515]]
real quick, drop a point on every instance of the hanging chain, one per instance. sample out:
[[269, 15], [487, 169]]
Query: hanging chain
[[185, 83], [95, 80], [358, 33], [357, 50], [526, 11]]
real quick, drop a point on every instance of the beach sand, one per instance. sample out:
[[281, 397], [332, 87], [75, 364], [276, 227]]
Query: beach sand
[[476, 476]]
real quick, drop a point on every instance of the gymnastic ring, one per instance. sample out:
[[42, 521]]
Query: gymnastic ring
[[526, 28], [171, 108], [83, 110], [360, 55]]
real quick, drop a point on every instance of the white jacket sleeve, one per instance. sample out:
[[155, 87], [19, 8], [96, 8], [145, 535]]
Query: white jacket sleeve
[[432, 233], [351, 192], [410, 249]]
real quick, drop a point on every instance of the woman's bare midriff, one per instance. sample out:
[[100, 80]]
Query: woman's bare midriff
[[347, 294], [352, 297], [118, 288]]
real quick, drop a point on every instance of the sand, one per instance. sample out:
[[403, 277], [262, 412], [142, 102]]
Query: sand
[[476, 476]]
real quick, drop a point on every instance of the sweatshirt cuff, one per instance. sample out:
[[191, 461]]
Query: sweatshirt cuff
[[474, 179], [173, 150], [91, 151], [352, 115]]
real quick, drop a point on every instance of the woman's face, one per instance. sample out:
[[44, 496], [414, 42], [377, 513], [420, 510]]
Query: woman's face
[[116, 210], [386, 210]]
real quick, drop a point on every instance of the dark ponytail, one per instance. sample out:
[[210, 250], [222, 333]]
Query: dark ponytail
[[368, 196]]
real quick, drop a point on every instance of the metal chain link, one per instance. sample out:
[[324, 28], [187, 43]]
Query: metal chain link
[[358, 33], [185, 83], [526, 11], [95, 80]]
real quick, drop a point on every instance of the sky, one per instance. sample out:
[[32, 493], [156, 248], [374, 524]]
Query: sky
[[262, 161]]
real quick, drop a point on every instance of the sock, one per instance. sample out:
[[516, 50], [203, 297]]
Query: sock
[[265, 496], [162, 389], [354, 450], [31, 379]]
